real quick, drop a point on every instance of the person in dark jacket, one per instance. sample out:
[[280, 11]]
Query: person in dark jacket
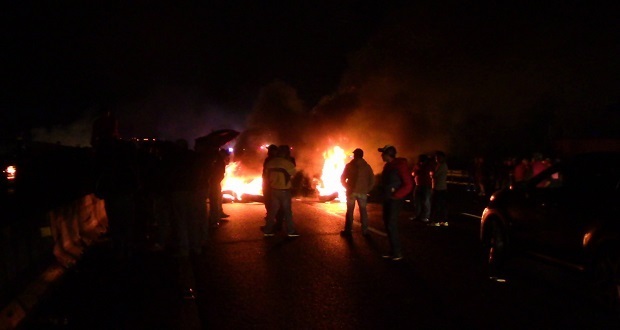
[[358, 179], [218, 172], [272, 152], [396, 184], [423, 187]]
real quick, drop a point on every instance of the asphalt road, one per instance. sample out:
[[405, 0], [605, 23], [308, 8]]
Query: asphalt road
[[321, 280]]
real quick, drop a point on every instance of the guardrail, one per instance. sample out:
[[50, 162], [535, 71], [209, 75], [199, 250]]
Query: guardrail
[[36, 251]]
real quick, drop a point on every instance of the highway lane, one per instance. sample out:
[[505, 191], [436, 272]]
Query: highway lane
[[322, 280]]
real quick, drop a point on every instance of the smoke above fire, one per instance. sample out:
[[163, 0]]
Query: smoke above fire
[[503, 81], [498, 80]]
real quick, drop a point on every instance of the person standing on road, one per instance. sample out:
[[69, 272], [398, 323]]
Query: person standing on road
[[279, 172], [396, 183], [358, 179], [218, 172], [272, 152], [423, 187], [440, 191]]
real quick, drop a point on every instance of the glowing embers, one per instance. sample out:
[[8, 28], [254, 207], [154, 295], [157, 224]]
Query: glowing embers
[[330, 185]]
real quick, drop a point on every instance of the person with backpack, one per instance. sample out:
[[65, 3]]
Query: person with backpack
[[396, 184]]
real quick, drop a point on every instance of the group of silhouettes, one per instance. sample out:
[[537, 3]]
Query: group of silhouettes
[[155, 192], [429, 179]]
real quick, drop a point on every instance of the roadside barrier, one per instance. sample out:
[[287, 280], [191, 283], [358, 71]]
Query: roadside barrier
[[60, 239]]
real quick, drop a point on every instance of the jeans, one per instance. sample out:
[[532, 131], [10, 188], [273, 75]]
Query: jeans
[[280, 199], [391, 212], [422, 199], [361, 200]]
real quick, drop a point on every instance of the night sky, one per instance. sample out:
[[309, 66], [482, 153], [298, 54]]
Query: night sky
[[360, 73]]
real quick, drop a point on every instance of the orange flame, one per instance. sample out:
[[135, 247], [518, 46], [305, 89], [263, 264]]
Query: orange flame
[[235, 185], [241, 185], [335, 161]]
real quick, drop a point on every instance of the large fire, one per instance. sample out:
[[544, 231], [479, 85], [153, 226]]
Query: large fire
[[240, 185], [235, 185], [335, 160]]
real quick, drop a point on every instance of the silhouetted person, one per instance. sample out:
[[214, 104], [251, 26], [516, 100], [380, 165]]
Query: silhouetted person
[[522, 170], [423, 188], [279, 170], [480, 175], [218, 172], [440, 191], [396, 184], [285, 151], [272, 152], [117, 184], [358, 179], [184, 176], [162, 193]]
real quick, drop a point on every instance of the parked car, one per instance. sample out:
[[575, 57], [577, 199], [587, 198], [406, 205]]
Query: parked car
[[568, 215]]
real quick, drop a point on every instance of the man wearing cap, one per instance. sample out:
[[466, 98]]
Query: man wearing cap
[[396, 183], [358, 179]]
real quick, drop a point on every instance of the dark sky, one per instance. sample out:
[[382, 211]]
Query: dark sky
[[436, 66], [60, 59]]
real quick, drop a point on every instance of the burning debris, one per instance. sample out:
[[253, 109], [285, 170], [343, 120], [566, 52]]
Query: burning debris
[[330, 185], [238, 186]]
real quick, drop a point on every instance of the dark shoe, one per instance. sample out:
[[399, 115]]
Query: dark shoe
[[346, 233], [266, 234], [425, 220], [295, 234], [397, 258]]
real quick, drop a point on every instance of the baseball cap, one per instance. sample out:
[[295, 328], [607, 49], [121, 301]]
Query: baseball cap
[[359, 152], [388, 149]]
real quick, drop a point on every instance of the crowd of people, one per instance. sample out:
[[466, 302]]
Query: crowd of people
[[429, 183], [396, 183], [488, 176], [160, 190], [156, 193]]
